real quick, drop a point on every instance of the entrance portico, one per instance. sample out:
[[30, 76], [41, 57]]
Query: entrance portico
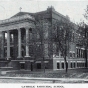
[[15, 26]]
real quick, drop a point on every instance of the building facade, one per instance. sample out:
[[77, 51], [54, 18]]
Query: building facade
[[26, 42]]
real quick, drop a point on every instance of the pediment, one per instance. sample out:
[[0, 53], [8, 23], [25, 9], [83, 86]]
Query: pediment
[[22, 13], [17, 18]]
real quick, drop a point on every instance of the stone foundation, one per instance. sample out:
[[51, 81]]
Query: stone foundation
[[28, 64]]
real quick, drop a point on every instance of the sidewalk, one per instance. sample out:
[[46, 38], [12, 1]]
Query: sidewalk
[[53, 80]]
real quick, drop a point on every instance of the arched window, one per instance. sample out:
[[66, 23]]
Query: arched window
[[30, 30]]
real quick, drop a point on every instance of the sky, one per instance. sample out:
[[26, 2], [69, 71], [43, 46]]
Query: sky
[[73, 8]]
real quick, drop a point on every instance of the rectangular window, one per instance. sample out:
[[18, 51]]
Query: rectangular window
[[77, 65], [70, 54], [74, 65], [58, 65], [71, 65], [67, 64], [63, 65], [83, 53], [73, 55], [79, 53]]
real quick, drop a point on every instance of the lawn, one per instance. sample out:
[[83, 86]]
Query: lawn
[[74, 73]]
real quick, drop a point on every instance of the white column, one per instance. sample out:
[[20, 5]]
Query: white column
[[27, 42], [82, 53], [8, 44], [2, 44], [78, 53], [76, 64], [19, 44]]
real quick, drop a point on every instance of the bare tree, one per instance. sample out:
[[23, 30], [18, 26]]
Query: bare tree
[[86, 13], [83, 31], [83, 38], [63, 37]]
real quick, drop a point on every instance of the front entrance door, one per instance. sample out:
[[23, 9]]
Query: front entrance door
[[38, 65], [22, 66]]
